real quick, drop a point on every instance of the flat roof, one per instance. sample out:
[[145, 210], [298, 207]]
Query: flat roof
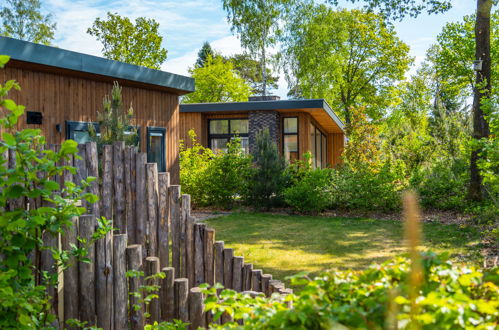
[[60, 58], [262, 106]]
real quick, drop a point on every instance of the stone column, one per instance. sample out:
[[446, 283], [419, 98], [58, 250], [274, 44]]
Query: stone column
[[262, 119]]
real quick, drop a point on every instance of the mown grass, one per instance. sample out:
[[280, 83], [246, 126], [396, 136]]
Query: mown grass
[[285, 245]]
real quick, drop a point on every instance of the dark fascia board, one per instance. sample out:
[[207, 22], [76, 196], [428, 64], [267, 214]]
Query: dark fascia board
[[263, 105], [60, 58]]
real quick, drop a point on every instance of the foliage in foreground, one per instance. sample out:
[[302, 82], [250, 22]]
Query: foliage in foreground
[[24, 302], [451, 297]]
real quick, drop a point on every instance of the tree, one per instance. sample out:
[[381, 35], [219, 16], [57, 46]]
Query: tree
[[257, 23], [22, 19], [351, 58], [115, 123], [217, 81], [203, 54], [250, 70], [138, 44]]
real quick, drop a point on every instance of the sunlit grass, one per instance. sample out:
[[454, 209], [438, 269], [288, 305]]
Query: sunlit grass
[[285, 245]]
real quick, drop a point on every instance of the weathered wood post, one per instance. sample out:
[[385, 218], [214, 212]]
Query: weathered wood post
[[199, 230], [93, 170], [185, 215], [167, 294], [237, 273], [119, 186], [256, 278], [134, 262], [265, 283], [81, 168], [189, 250], [197, 316], [247, 280], [209, 260], [71, 285], [106, 198], [152, 269], [174, 196], [120, 309], [163, 223], [181, 289], [219, 262], [86, 228], [129, 157], [152, 208], [140, 200], [228, 255]]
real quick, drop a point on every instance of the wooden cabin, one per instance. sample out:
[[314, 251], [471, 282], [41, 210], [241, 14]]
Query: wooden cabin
[[63, 90], [297, 126]]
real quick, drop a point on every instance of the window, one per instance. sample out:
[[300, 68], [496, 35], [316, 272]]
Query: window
[[221, 131], [290, 138], [318, 147], [156, 146], [78, 131]]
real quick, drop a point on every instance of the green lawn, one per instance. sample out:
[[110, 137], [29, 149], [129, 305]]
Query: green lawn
[[284, 245]]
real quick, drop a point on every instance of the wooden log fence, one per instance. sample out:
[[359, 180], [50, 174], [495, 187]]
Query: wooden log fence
[[154, 231]]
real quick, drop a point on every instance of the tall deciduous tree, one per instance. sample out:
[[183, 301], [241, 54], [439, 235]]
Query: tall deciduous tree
[[351, 58], [217, 81], [203, 54], [124, 41], [250, 70], [22, 19], [258, 25]]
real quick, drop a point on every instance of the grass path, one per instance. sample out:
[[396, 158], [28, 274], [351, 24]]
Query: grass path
[[285, 245]]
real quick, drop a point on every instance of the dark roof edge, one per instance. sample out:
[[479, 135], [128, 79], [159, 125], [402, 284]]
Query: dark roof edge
[[262, 105], [60, 58]]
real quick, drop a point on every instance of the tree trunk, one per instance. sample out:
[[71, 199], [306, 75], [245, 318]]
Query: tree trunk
[[481, 92], [264, 71]]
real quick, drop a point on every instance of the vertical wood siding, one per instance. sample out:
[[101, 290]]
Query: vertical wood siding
[[62, 98]]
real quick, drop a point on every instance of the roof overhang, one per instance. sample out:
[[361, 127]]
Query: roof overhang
[[64, 59], [313, 106]]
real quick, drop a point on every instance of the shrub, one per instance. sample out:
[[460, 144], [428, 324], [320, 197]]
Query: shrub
[[312, 192], [194, 162], [451, 297], [366, 189], [268, 177], [226, 176]]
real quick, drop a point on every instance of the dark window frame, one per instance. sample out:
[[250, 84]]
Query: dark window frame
[[162, 130], [320, 148], [72, 126], [227, 136], [297, 134]]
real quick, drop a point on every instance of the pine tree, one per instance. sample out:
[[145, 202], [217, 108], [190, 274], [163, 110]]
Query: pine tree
[[115, 123], [269, 179], [203, 54]]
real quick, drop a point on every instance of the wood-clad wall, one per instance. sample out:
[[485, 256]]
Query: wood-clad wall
[[61, 97], [190, 121]]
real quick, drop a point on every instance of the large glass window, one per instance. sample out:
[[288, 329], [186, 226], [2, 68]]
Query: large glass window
[[290, 138], [318, 147], [78, 131], [156, 146], [221, 131]]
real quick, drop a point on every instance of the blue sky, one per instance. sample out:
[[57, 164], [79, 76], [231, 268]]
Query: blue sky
[[186, 24]]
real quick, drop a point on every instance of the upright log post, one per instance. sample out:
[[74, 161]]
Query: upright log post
[[167, 294], [86, 228], [120, 309], [266, 283], [71, 285], [219, 262], [174, 196], [134, 262], [81, 168], [152, 208], [93, 170], [237, 273], [209, 259], [228, 255], [256, 277], [247, 280], [185, 215], [152, 269], [163, 222], [106, 199], [199, 230], [140, 200], [197, 316], [189, 250], [119, 186], [181, 289], [129, 157]]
